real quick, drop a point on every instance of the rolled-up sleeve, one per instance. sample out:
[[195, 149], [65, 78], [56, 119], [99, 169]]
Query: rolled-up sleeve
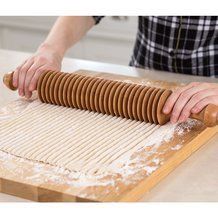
[[97, 19]]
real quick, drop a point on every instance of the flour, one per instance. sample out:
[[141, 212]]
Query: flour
[[130, 166], [42, 173], [156, 161], [163, 134], [150, 170], [176, 147]]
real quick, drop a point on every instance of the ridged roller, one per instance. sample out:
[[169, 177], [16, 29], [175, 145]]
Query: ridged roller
[[127, 100]]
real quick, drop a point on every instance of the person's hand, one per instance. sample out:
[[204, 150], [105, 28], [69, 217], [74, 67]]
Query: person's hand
[[190, 99], [27, 74]]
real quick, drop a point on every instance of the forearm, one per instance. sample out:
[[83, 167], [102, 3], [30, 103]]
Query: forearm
[[66, 32]]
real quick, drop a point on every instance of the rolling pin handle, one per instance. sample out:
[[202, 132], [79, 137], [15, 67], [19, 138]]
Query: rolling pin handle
[[209, 115], [8, 81]]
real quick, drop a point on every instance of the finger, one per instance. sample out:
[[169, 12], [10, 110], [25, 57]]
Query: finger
[[28, 78], [16, 75], [182, 101], [34, 80], [22, 75], [174, 96], [204, 102], [187, 110]]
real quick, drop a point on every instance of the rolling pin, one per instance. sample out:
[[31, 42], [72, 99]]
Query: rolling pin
[[127, 100]]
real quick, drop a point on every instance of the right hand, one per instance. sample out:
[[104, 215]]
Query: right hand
[[27, 74]]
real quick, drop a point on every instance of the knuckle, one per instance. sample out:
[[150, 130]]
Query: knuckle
[[23, 69], [185, 95], [30, 71], [41, 59], [38, 72], [35, 77], [196, 97], [194, 83]]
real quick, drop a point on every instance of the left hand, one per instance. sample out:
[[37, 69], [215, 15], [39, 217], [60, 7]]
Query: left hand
[[190, 99]]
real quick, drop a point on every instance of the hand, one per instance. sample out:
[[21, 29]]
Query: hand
[[27, 74], [190, 99]]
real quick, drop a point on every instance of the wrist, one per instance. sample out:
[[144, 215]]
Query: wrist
[[48, 47]]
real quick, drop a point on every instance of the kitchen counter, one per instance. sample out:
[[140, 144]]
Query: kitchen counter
[[196, 179]]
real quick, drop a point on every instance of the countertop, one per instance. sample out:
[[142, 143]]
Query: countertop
[[196, 179]]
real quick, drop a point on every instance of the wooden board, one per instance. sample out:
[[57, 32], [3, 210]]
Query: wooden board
[[43, 182]]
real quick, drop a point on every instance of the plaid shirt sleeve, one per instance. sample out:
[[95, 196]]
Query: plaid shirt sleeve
[[97, 19]]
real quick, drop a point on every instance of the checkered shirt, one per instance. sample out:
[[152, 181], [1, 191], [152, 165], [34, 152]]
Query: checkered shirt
[[179, 44]]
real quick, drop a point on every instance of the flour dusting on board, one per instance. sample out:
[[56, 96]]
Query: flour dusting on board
[[146, 158], [131, 165]]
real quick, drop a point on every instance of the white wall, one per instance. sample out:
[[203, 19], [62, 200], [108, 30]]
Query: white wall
[[111, 41]]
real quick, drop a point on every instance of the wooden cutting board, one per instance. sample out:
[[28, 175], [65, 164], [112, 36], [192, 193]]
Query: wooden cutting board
[[43, 182]]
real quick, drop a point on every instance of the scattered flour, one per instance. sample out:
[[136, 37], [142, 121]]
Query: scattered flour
[[41, 173], [176, 147]]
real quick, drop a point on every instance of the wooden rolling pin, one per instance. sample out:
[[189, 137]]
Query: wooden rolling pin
[[131, 101]]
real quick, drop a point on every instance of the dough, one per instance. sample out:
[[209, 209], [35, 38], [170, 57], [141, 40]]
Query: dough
[[78, 140]]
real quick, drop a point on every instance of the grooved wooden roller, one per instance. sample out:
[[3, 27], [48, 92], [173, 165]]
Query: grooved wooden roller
[[131, 101]]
